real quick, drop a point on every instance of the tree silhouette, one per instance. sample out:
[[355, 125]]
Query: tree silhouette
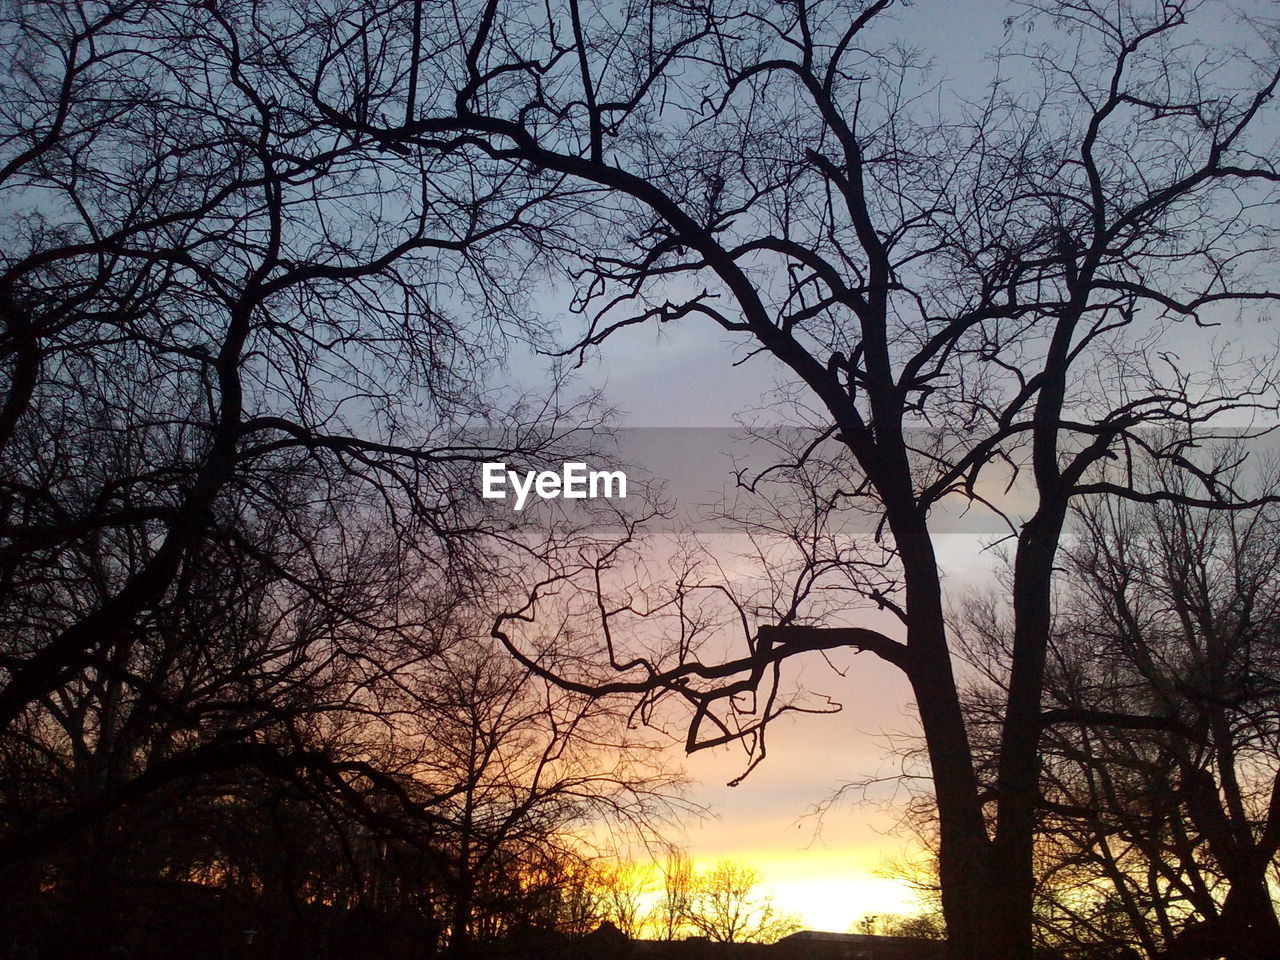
[[986, 294], [250, 369], [1173, 617], [724, 906]]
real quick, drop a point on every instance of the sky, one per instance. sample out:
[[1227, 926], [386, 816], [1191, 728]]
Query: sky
[[833, 870]]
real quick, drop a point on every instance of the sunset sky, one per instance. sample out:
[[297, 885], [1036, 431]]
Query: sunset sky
[[427, 422]]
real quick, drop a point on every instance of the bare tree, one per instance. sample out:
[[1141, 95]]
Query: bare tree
[[725, 907], [669, 914], [1174, 616], [624, 884], [250, 366], [451, 786], [1160, 755], [522, 771], [985, 297]]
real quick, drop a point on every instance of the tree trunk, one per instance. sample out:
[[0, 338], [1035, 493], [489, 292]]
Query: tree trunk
[[986, 894]]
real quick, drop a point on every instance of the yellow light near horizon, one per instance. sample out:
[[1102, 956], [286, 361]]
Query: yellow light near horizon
[[836, 904], [830, 890]]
